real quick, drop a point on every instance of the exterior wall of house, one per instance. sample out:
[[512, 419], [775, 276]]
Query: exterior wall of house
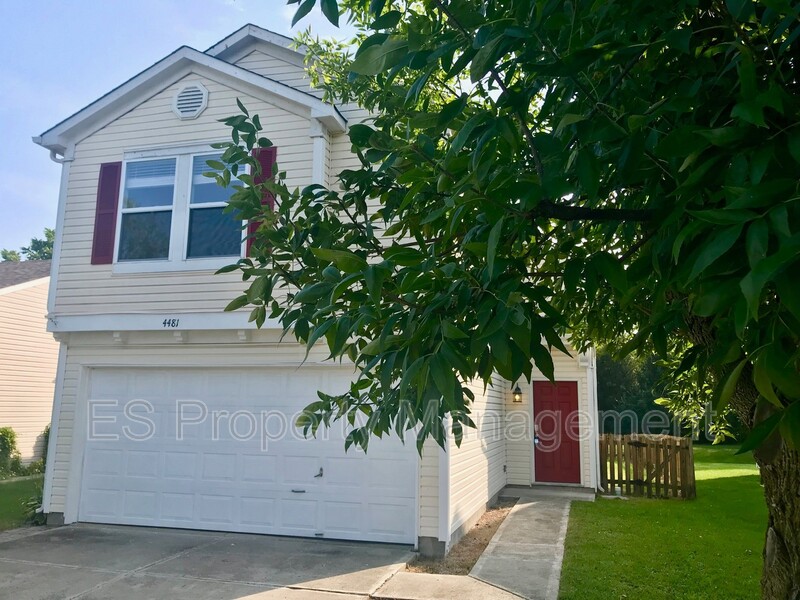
[[85, 289], [519, 418], [477, 467], [28, 359], [286, 72]]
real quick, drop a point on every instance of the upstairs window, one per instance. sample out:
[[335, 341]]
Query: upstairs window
[[211, 231], [171, 213], [147, 201]]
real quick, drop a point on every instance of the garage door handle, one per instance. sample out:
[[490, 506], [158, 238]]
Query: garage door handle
[[318, 474], [298, 491]]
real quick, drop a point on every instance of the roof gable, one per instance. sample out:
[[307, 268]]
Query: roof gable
[[169, 69], [246, 39]]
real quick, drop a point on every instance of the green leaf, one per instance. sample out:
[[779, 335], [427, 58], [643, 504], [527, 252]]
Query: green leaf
[[312, 293], [763, 384], [237, 302], [760, 433], [729, 386], [757, 242], [347, 261], [789, 291], [543, 360], [485, 59], [374, 277], [453, 332], [302, 11], [360, 134], [380, 57], [679, 39], [491, 245], [330, 8], [611, 270], [790, 425], [387, 21], [714, 248], [443, 376], [567, 120]]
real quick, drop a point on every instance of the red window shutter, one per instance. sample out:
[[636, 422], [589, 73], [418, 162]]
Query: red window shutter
[[266, 158], [105, 216]]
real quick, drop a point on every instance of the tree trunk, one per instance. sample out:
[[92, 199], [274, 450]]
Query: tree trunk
[[780, 579], [780, 476]]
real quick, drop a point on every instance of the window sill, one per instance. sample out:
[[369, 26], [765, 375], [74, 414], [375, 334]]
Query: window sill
[[172, 266]]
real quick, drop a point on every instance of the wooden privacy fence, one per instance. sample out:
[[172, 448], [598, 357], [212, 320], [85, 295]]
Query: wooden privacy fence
[[656, 466]]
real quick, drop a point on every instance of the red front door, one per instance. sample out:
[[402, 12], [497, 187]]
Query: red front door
[[556, 445]]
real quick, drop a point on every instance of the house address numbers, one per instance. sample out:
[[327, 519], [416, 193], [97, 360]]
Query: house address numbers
[[170, 323]]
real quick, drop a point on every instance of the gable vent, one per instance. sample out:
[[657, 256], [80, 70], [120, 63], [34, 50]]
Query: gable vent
[[190, 101]]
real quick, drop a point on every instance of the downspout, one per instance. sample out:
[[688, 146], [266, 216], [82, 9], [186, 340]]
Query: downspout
[[65, 160]]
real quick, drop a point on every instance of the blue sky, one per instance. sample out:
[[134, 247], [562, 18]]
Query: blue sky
[[58, 56]]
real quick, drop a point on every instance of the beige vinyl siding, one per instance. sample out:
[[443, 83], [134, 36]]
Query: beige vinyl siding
[[28, 362], [476, 467], [519, 419], [94, 289], [429, 490], [285, 72]]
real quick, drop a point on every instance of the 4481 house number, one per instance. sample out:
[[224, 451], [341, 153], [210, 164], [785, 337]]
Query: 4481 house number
[[170, 323]]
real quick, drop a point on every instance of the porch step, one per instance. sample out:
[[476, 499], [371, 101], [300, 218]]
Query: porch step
[[537, 492]]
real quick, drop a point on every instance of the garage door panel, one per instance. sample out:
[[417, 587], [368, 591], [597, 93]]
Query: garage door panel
[[218, 477]]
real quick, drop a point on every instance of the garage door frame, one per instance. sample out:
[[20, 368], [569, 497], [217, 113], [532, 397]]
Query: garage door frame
[[80, 420]]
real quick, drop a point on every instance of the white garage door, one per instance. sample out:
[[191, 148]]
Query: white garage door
[[214, 449]]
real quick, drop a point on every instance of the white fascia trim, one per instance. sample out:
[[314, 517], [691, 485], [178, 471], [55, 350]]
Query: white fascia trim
[[155, 322], [176, 65], [239, 41], [69, 156], [22, 286], [52, 442]]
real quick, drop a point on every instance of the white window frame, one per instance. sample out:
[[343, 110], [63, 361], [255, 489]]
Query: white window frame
[[179, 227]]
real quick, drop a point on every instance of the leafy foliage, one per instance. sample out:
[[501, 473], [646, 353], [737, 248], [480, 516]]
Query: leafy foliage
[[625, 172]]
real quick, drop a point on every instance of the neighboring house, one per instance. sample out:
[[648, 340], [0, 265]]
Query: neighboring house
[[28, 354], [139, 313]]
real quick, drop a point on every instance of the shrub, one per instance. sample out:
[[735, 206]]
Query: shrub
[[9, 457], [33, 507]]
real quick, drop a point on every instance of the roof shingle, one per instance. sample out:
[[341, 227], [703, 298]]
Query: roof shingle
[[13, 273]]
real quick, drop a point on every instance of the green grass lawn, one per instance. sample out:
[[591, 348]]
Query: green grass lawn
[[708, 548], [12, 495]]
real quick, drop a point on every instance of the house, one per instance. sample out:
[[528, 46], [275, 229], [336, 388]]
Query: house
[[28, 354], [170, 412]]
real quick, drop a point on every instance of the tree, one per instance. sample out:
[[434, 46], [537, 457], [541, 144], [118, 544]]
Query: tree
[[40, 249], [9, 255], [625, 172]]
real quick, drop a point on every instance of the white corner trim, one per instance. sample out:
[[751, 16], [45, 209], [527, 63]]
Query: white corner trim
[[52, 441], [319, 152], [25, 285], [166, 321], [594, 440], [444, 497]]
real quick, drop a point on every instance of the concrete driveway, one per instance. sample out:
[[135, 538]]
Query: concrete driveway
[[94, 562]]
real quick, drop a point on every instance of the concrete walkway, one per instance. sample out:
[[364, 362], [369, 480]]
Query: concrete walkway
[[526, 552]]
